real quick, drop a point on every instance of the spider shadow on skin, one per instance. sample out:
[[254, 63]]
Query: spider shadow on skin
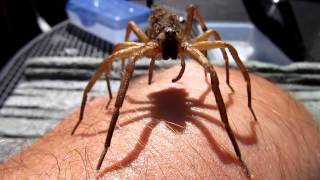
[[173, 107]]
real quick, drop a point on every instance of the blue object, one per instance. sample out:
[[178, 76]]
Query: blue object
[[114, 14]]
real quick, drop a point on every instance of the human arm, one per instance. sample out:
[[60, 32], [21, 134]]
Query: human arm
[[155, 142]]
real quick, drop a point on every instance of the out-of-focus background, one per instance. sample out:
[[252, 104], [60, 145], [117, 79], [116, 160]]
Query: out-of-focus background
[[50, 48], [293, 25]]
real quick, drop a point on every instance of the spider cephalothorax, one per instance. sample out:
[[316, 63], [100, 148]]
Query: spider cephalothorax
[[166, 37]]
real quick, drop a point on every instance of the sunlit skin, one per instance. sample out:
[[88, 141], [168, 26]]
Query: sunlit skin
[[174, 131]]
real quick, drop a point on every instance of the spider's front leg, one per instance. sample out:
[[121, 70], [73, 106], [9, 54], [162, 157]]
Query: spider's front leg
[[103, 68], [203, 61], [205, 45], [117, 47], [118, 104], [121, 95], [204, 37]]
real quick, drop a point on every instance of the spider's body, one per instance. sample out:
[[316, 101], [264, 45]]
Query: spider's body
[[165, 29], [167, 37], [160, 19]]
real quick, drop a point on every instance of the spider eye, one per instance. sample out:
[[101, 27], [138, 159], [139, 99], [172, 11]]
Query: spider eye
[[181, 19], [170, 32]]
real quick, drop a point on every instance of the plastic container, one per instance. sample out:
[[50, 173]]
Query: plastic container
[[106, 19], [250, 43]]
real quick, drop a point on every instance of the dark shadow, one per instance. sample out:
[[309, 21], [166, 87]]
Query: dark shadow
[[173, 107]]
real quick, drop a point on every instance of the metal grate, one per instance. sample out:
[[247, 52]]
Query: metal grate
[[64, 40], [69, 41]]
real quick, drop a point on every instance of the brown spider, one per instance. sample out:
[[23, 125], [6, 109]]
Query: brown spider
[[166, 37]]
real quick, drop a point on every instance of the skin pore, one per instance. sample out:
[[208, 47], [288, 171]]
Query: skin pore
[[173, 131]]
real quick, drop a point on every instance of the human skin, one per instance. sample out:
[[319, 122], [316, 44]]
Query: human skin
[[173, 131]]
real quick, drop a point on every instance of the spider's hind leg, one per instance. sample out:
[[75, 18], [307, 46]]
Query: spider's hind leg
[[193, 13]]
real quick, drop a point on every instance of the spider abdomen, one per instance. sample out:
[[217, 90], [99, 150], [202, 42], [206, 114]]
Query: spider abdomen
[[161, 18]]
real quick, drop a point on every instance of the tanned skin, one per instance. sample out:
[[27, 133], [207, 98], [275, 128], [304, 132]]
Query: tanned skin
[[174, 131]]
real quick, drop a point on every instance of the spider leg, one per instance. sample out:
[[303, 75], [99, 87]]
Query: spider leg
[[107, 78], [151, 68], [142, 37], [103, 68], [124, 45], [132, 26], [193, 13], [120, 98], [117, 47], [205, 45], [204, 37], [203, 61], [183, 66], [106, 75]]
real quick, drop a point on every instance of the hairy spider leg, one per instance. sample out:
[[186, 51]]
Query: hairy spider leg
[[205, 45], [124, 45], [205, 37], [203, 61], [132, 26], [117, 47], [120, 98], [179, 76], [193, 13], [106, 75], [103, 68], [183, 66], [142, 37], [151, 68]]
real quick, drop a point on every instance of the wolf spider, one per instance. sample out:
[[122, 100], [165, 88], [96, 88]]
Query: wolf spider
[[167, 37]]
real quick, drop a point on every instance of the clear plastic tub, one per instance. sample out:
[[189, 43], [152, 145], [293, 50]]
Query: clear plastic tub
[[106, 19], [249, 41]]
